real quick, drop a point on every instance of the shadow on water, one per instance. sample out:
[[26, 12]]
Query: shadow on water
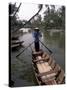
[[22, 71], [28, 75]]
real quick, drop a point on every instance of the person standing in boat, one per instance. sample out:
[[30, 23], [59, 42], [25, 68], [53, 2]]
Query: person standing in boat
[[36, 35]]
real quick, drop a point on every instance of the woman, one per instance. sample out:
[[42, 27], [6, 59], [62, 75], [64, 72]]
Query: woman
[[36, 35]]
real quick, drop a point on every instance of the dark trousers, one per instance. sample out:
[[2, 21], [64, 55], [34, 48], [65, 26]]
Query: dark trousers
[[37, 47]]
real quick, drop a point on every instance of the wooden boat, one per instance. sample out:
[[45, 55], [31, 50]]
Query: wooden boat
[[47, 71], [16, 42], [14, 46]]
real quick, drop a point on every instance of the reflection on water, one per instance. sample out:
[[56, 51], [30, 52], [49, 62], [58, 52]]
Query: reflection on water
[[21, 68], [56, 42], [56, 38]]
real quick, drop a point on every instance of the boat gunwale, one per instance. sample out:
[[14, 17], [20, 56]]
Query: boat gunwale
[[34, 63]]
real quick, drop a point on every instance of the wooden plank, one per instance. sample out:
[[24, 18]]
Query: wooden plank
[[53, 64], [46, 73], [49, 76], [46, 56], [16, 41], [42, 59], [43, 67], [48, 79], [40, 67], [50, 61], [15, 45], [63, 82], [39, 82], [60, 77], [47, 66], [50, 82], [57, 68]]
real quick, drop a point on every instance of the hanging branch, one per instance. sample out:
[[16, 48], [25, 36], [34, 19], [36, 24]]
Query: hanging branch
[[40, 7], [17, 10]]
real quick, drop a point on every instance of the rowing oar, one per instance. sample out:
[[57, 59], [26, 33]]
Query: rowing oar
[[46, 47], [25, 49]]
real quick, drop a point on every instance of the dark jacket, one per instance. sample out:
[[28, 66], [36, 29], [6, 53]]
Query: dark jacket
[[36, 36]]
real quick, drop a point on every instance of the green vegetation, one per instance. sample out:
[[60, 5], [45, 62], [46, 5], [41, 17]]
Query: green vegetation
[[53, 18], [14, 22]]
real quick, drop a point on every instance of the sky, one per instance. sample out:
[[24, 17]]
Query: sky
[[27, 10]]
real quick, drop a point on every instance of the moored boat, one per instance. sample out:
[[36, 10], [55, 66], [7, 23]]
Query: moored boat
[[16, 43]]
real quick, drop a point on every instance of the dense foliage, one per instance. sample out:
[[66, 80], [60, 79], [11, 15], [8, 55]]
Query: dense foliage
[[15, 23], [53, 18]]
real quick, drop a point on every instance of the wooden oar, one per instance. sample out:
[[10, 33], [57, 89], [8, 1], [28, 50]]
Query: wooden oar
[[46, 47], [25, 49]]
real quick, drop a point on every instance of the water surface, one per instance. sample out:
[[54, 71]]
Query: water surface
[[22, 73]]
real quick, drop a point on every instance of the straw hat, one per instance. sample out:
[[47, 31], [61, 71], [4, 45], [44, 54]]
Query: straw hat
[[37, 29]]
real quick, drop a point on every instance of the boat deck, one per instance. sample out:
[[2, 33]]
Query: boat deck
[[46, 70]]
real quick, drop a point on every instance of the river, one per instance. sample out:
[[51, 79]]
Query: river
[[22, 73]]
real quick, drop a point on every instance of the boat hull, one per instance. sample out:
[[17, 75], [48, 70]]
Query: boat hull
[[47, 71]]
